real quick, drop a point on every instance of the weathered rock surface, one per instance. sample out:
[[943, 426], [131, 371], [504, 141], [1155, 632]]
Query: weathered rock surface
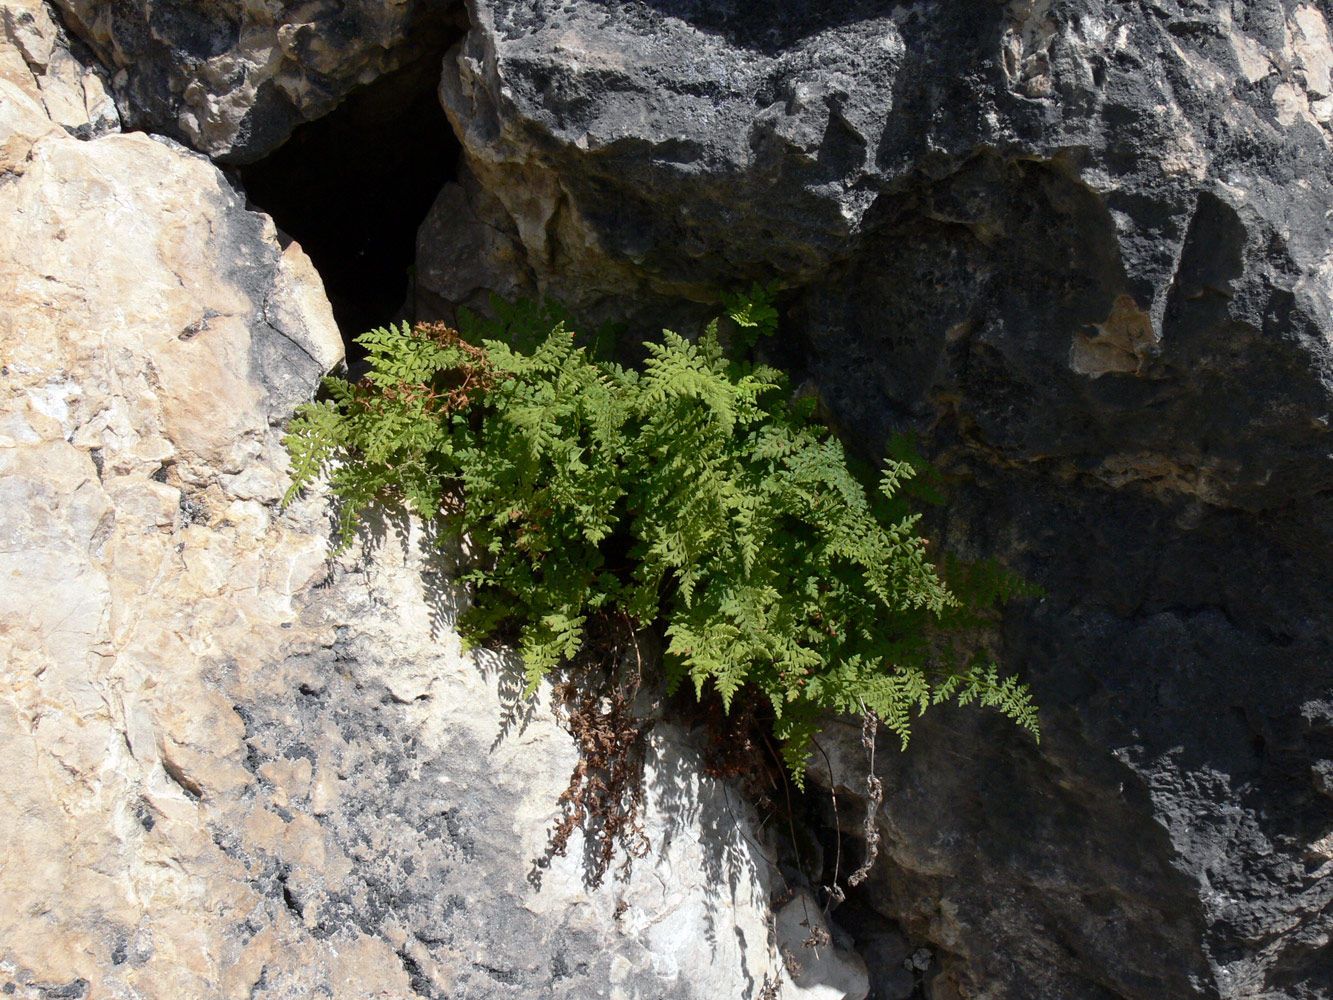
[[36, 59], [818, 966], [232, 79], [1158, 175], [1084, 247], [231, 769]]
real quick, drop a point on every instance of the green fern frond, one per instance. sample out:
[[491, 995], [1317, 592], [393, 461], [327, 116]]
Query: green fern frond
[[695, 495]]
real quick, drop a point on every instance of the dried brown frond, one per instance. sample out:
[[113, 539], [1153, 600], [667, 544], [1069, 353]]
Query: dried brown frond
[[819, 937], [604, 797], [794, 967], [738, 747], [451, 391]]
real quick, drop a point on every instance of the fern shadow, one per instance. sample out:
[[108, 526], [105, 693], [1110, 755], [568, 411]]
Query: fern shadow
[[441, 557], [712, 821], [503, 668]]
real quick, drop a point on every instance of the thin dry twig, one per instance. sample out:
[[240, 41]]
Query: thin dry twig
[[835, 894]]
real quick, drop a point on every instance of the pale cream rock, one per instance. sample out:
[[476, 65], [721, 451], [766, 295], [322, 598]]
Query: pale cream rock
[[1309, 40], [1255, 63], [1120, 343], [819, 968], [114, 740], [180, 822], [70, 94], [1290, 103]]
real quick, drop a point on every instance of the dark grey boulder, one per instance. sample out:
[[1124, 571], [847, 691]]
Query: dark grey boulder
[[1083, 247], [232, 79]]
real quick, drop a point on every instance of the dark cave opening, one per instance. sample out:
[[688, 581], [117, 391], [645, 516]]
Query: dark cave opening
[[352, 187]]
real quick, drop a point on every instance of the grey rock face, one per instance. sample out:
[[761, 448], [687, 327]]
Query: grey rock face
[[1084, 247], [468, 249], [437, 781], [903, 166], [232, 79]]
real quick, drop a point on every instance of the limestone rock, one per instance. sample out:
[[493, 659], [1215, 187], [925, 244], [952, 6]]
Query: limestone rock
[[814, 959], [232, 79], [1083, 247], [895, 166], [233, 769], [468, 250], [35, 57]]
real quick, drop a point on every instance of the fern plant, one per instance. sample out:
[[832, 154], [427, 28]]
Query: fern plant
[[694, 495]]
